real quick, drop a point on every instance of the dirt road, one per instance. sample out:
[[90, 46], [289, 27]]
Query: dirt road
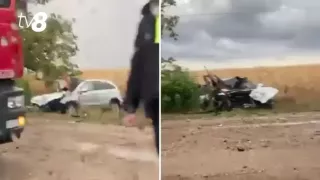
[[57, 150], [278, 147]]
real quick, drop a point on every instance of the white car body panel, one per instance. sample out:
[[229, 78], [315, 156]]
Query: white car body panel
[[93, 97], [263, 94], [45, 98], [88, 98]]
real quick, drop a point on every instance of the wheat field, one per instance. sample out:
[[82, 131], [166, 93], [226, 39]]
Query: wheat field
[[118, 76], [297, 83]]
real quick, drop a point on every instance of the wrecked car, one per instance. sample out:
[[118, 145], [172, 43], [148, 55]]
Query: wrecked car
[[50, 102], [93, 92], [90, 92], [236, 92]]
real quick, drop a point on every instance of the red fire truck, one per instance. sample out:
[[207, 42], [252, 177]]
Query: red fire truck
[[12, 105]]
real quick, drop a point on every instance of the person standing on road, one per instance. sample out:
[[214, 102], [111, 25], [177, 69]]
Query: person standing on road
[[143, 81]]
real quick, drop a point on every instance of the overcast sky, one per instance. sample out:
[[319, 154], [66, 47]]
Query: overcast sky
[[106, 29], [259, 31]]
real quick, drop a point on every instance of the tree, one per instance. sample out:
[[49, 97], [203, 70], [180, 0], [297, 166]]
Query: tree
[[179, 92], [168, 23], [49, 51]]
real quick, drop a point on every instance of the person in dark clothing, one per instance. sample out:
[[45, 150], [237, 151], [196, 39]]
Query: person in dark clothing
[[143, 81]]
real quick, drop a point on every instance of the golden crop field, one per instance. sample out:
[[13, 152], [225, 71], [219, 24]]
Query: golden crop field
[[118, 76], [298, 83]]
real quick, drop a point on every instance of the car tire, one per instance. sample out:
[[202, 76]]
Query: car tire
[[268, 105], [115, 106]]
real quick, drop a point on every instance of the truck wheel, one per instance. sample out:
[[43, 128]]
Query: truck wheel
[[6, 138]]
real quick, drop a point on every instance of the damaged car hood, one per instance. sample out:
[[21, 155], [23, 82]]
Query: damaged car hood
[[263, 94], [45, 98]]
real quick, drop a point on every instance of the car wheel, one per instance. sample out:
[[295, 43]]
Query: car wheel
[[115, 108]]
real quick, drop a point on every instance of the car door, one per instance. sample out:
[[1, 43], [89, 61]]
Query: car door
[[104, 91], [87, 95]]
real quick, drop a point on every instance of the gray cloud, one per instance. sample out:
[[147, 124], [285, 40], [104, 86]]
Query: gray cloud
[[227, 29]]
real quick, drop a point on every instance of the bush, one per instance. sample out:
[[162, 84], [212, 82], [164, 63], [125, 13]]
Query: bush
[[179, 92], [24, 84]]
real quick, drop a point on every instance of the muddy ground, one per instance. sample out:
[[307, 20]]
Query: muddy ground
[[60, 150], [277, 147]]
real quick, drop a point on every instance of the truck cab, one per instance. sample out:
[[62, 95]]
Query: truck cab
[[12, 100]]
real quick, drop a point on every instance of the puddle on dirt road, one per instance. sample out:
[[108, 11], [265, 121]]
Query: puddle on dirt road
[[131, 154]]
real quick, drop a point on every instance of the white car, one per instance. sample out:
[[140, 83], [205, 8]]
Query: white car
[[89, 92], [93, 92]]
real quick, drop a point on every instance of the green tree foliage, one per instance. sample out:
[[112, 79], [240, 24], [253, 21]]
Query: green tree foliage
[[168, 22], [179, 92], [24, 84], [49, 52]]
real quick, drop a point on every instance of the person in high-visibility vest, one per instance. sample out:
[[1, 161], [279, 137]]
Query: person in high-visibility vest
[[143, 81], [157, 30]]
